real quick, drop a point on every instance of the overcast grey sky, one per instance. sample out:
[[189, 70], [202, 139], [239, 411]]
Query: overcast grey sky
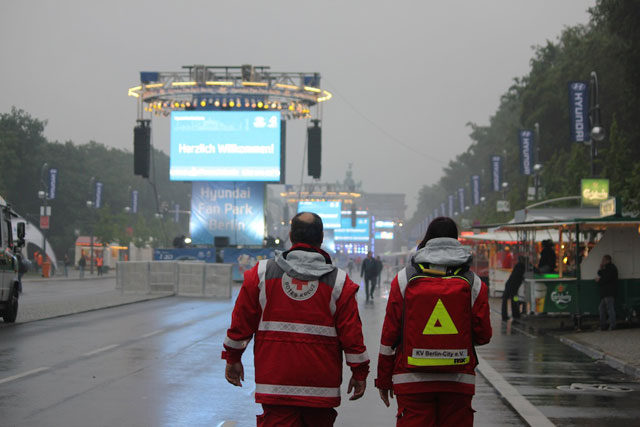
[[419, 70]]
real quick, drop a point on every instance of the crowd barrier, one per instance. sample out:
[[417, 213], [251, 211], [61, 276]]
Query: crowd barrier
[[197, 279]]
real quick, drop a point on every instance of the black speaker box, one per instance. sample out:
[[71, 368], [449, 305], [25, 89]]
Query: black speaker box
[[314, 152], [141, 150]]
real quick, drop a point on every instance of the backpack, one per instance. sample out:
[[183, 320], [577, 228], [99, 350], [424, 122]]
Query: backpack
[[436, 324]]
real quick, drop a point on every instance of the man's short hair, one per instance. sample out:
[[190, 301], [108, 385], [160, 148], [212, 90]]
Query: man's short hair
[[310, 233], [607, 257]]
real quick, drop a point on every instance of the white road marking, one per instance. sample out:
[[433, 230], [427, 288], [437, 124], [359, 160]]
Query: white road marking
[[100, 350], [522, 406], [150, 334], [24, 374]]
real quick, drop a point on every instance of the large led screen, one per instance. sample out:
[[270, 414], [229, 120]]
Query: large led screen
[[225, 146], [329, 211], [347, 233]]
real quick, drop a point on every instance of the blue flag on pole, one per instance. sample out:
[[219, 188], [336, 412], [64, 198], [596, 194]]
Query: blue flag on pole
[[496, 172], [53, 182], [98, 201], [450, 199], [525, 138], [475, 189], [579, 111], [134, 201]]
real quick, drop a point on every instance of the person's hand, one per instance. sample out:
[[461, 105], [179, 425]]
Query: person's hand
[[234, 373], [385, 394], [358, 388]]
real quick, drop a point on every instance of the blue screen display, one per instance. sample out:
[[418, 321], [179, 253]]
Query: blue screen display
[[225, 146], [329, 211], [346, 233]]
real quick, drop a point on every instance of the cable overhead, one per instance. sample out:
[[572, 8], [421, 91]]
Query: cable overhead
[[338, 94]]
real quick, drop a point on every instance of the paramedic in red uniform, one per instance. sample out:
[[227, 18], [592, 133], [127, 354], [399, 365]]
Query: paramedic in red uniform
[[437, 311], [304, 315]]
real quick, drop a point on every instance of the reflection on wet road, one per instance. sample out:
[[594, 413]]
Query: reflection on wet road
[[542, 370], [158, 363]]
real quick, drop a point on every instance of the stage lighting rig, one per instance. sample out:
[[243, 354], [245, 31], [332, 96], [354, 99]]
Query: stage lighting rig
[[226, 87]]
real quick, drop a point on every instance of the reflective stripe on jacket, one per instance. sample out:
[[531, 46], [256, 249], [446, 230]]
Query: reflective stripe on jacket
[[301, 329]]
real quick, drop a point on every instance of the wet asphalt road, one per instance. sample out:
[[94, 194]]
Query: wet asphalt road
[[157, 363]]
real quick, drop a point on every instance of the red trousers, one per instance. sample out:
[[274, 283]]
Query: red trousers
[[296, 416], [434, 409]]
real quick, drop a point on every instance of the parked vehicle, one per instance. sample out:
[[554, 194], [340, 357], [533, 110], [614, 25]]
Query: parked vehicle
[[10, 250]]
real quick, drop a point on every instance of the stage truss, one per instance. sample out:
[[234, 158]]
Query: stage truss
[[241, 88]]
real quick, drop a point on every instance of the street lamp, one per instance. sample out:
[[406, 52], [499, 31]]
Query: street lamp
[[536, 170], [597, 131], [44, 195], [91, 206], [505, 185]]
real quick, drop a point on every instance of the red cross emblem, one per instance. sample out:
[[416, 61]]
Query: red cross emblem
[[299, 283]]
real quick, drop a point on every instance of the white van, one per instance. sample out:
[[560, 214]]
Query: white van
[[9, 252]]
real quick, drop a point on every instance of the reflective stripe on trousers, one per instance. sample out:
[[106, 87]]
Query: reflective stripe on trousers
[[419, 377]]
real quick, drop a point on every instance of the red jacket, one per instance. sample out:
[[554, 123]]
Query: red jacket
[[301, 325], [392, 369]]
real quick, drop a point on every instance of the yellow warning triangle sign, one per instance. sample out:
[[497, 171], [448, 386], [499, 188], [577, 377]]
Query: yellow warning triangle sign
[[440, 322]]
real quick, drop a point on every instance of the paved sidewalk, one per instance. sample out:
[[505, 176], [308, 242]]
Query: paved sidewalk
[[619, 348], [43, 298]]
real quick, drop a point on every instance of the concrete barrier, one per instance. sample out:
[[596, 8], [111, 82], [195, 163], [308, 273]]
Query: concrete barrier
[[133, 276], [194, 279]]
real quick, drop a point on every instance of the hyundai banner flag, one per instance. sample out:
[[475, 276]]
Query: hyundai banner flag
[[176, 218], [53, 182], [134, 201], [461, 198], [98, 201], [496, 172], [526, 151], [443, 209], [436, 213], [579, 111], [475, 189], [450, 199], [227, 209]]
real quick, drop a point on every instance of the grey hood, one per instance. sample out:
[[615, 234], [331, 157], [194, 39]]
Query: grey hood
[[443, 251], [304, 265]]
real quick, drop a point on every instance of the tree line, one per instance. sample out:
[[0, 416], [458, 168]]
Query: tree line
[[24, 152], [608, 44]]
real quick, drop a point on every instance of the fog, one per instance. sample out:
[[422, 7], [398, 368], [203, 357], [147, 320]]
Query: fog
[[406, 76]]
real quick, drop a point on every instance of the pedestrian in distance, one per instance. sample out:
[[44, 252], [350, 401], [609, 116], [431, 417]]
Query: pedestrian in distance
[[438, 310], [547, 263], [608, 283], [82, 263], [511, 287], [369, 271], [39, 262], [99, 263], [34, 263], [379, 267], [302, 312]]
